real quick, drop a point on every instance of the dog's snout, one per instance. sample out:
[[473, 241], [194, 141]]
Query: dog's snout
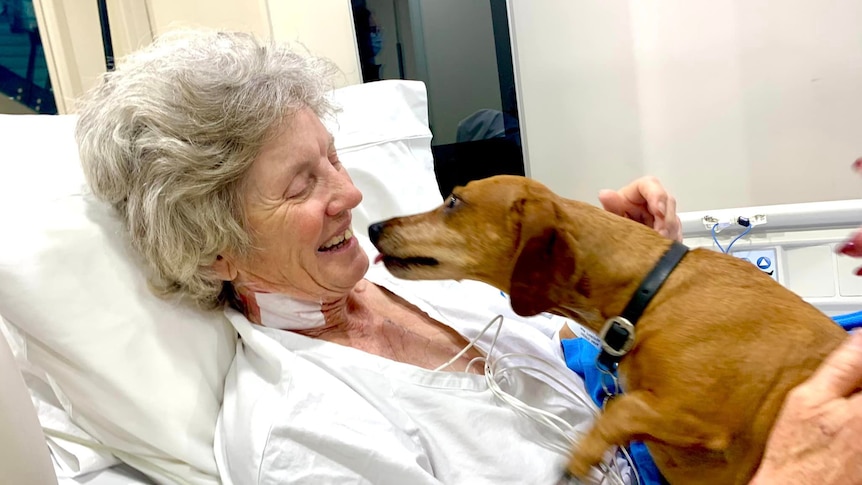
[[374, 231]]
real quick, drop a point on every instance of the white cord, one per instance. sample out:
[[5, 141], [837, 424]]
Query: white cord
[[472, 343], [563, 434], [560, 428]]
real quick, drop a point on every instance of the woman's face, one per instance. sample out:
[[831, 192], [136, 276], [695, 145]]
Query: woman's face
[[298, 198]]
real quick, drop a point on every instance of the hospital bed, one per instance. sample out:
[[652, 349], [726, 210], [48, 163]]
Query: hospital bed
[[126, 387], [794, 243]]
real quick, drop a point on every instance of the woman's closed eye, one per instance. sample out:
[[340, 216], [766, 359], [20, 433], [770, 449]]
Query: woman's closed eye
[[299, 187]]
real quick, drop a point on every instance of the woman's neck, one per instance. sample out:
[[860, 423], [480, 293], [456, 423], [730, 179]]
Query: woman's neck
[[301, 315], [367, 318], [345, 313]]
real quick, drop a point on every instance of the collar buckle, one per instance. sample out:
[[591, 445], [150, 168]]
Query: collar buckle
[[617, 336]]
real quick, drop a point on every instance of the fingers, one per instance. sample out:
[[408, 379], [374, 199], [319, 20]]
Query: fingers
[[853, 246], [672, 223], [612, 202], [649, 192], [646, 201], [841, 373]]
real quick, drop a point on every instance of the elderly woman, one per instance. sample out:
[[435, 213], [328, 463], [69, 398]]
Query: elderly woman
[[211, 147]]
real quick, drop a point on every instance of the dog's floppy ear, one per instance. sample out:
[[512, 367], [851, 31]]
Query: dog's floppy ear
[[544, 262]]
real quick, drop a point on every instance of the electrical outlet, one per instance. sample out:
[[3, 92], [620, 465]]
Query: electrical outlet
[[716, 224], [765, 259]]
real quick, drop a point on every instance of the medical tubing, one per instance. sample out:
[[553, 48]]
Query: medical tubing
[[729, 246], [472, 343], [563, 434], [746, 231], [541, 416]]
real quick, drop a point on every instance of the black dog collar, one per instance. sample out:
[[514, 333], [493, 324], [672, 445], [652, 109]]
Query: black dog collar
[[618, 334]]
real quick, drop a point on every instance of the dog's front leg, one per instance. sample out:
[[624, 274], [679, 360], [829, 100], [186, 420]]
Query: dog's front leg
[[639, 415]]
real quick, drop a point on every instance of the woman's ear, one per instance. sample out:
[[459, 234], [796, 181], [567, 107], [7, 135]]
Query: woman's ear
[[224, 268]]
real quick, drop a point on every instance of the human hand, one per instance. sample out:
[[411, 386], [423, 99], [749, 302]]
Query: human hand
[[646, 201], [816, 438], [853, 248]]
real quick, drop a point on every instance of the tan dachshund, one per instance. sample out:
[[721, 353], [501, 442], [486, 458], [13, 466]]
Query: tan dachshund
[[716, 350]]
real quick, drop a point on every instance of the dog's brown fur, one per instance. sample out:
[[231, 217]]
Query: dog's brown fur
[[716, 351]]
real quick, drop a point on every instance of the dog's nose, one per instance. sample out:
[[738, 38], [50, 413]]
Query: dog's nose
[[374, 231]]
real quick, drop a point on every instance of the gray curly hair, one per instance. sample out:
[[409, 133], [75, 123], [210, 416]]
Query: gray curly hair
[[168, 136]]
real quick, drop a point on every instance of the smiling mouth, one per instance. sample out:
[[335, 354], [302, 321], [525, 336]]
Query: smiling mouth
[[337, 242]]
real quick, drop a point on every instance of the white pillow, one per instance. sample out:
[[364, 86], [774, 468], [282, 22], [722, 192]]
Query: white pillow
[[140, 374], [143, 375], [383, 139]]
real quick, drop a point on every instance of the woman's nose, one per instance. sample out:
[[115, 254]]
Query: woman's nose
[[345, 197]]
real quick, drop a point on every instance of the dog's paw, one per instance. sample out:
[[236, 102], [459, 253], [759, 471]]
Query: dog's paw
[[579, 466]]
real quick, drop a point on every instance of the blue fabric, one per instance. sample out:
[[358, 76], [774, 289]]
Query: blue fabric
[[581, 358], [849, 321]]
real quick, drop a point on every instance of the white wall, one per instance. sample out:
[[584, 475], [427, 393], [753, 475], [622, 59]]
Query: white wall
[[577, 93], [324, 27], [735, 103], [461, 60], [247, 15], [691, 98], [73, 45]]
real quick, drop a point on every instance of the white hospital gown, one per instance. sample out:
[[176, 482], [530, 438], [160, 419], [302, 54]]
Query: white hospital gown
[[307, 411]]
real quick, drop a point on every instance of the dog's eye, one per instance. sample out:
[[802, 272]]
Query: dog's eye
[[451, 202]]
